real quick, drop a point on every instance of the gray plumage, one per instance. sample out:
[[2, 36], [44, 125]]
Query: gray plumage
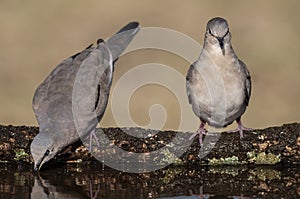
[[54, 99], [218, 83]]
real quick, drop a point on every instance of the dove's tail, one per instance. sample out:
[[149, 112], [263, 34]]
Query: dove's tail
[[118, 42]]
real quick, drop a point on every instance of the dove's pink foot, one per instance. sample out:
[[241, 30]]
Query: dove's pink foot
[[240, 128], [93, 136], [201, 131]]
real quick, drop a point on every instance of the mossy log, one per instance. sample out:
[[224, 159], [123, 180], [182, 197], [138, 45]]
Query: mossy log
[[270, 146]]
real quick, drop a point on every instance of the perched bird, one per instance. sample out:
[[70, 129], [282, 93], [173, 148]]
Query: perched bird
[[88, 74], [218, 84]]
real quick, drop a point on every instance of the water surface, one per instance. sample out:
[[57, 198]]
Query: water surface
[[174, 182]]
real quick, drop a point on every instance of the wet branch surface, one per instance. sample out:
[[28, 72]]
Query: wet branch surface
[[270, 146], [264, 164]]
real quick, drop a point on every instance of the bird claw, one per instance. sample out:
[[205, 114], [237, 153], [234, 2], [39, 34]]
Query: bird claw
[[200, 132], [240, 129]]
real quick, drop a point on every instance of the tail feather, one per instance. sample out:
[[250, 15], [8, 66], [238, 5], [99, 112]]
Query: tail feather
[[118, 42]]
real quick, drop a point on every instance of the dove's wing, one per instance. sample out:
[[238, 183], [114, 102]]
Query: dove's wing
[[119, 41], [53, 96], [81, 84], [248, 84], [95, 77]]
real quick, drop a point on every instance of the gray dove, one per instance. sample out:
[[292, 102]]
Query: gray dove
[[79, 83], [218, 84]]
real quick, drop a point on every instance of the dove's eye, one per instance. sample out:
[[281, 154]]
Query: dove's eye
[[47, 152]]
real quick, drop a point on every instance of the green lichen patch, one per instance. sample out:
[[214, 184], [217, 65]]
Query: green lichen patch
[[20, 154], [168, 158], [263, 158]]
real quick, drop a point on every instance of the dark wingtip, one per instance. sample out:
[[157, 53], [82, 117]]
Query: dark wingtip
[[119, 41], [130, 26]]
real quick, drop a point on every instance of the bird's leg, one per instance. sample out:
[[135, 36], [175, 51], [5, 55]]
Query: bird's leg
[[240, 127], [201, 131], [93, 135]]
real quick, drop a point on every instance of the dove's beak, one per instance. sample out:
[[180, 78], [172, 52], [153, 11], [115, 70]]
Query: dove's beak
[[221, 43]]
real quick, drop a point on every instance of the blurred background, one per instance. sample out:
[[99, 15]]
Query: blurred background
[[36, 35]]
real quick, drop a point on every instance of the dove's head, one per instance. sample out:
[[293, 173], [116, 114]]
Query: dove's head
[[217, 33], [43, 148]]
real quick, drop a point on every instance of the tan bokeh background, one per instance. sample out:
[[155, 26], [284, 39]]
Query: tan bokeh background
[[36, 35]]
